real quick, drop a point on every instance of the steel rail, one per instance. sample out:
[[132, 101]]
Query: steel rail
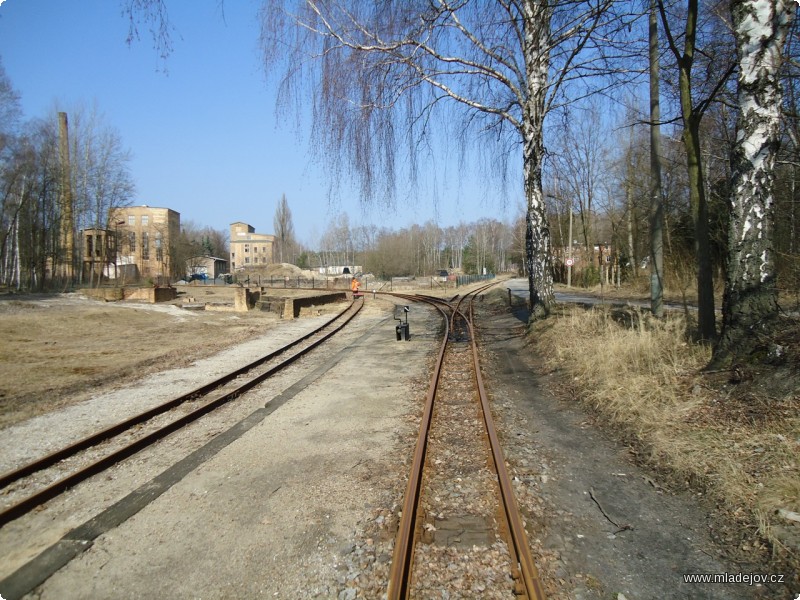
[[113, 430], [27, 504], [403, 554], [521, 545]]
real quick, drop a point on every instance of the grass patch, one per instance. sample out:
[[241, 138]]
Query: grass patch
[[738, 443]]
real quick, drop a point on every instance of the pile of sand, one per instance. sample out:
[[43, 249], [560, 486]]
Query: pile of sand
[[279, 270], [283, 270]]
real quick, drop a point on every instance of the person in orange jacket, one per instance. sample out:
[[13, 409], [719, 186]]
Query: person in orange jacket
[[354, 286]]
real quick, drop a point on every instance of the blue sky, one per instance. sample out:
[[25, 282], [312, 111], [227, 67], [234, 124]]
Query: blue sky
[[204, 135]]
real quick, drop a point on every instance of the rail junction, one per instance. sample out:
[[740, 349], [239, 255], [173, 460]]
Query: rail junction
[[458, 440]]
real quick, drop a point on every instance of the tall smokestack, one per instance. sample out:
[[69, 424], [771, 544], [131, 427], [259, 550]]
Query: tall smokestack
[[67, 241]]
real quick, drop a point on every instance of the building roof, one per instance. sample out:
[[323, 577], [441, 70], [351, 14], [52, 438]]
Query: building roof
[[144, 206], [208, 257]]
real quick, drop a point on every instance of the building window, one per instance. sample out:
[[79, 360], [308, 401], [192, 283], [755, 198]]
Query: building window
[[131, 220], [89, 244], [246, 260], [132, 241], [159, 248], [233, 255], [145, 220], [246, 248], [145, 245]]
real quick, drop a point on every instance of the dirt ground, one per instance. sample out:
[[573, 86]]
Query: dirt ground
[[302, 503], [58, 348], [599, 506]]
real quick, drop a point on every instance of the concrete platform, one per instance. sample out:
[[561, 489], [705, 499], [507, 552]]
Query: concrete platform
[[288, 304], [143, 294], [291, 306]]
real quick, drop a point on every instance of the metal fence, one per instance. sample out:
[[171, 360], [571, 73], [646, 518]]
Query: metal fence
[[367, 283]]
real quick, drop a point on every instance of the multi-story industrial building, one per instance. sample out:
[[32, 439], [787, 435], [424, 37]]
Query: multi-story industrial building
[[250, 249], [146, 240]]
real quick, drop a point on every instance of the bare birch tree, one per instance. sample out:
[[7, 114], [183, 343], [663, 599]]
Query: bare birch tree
[[12, 179], [750, 305], [377, 73], [102, 181]]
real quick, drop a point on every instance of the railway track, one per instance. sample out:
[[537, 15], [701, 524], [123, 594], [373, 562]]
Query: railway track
[[460, 526], [32, 484]]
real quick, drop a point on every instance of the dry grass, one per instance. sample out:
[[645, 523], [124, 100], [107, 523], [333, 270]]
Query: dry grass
[[736, 442], [56, 348]]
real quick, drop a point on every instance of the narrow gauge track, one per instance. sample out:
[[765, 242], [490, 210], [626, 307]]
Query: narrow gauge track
[[192, 405], [460, 519]]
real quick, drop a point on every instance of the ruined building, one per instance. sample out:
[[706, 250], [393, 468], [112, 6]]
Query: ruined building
[[146, 238]]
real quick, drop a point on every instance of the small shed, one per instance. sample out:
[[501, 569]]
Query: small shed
[[209, 266]]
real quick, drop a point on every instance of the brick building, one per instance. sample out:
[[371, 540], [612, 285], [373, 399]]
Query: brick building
[[99, 252], [250, 249], [146, 239]]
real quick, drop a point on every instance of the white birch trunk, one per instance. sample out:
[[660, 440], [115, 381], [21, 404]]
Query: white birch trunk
[[760, 27], [17, 272], [537, 237]]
